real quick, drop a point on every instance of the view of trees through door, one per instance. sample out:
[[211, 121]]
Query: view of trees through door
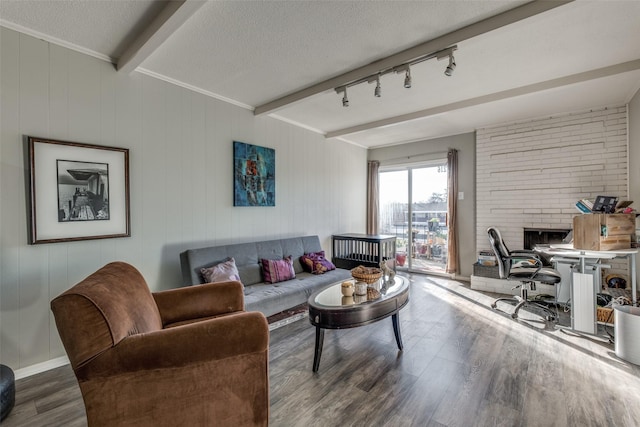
[[413, 207]]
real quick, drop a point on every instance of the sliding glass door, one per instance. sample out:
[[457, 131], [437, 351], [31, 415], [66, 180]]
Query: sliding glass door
[[413, 207]]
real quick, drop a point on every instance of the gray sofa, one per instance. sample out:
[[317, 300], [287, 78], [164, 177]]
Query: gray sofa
[[260, 296]]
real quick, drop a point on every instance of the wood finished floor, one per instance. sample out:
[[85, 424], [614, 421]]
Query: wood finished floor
[[463, 365]]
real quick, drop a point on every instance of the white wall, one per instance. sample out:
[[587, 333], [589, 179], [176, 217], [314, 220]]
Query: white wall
[[634, 161], [531, 173], [181, 180], [437, 149], [634, 150]]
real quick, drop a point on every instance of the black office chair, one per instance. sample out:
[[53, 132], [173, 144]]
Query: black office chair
[[527, 271]]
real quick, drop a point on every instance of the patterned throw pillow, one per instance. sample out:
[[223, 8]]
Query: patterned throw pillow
[[223, 272], [316, 263], [277, 270]]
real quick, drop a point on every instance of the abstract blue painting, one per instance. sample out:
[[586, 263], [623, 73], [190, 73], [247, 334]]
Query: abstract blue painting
[[254, 180]]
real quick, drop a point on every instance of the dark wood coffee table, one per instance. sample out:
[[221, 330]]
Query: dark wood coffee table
[[328, 309]]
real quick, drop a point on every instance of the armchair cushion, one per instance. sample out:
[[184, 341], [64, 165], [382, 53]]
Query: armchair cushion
[[93, 317], [194, 302]]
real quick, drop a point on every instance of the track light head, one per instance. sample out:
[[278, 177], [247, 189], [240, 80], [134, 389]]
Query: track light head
[[378, 90], [407, 78], [343, 90], [452, 66]]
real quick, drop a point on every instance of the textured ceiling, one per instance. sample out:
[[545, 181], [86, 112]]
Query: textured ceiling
[[578, 55]]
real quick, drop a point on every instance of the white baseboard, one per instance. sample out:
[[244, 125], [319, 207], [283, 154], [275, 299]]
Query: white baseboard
[[41, 367]]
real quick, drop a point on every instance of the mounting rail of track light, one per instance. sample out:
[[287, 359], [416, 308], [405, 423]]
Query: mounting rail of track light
[[402, 68]]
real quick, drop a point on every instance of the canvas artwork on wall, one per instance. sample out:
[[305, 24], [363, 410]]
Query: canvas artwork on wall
[[254, 181]]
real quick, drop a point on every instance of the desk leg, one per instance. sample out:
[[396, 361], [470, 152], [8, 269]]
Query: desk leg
[[318, 351], [633, 279], [396, 330]]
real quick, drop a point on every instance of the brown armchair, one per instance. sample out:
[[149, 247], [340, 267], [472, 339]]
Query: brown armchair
[[187, 356]]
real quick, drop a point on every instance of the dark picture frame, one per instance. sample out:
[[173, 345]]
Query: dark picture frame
[[77, 191], [254, 175]]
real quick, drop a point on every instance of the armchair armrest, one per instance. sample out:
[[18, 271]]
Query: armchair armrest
[[195, 343], [200, 301]]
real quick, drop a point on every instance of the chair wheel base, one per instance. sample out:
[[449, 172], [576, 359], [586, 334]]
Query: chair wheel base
[[514, 315], [494, 305]]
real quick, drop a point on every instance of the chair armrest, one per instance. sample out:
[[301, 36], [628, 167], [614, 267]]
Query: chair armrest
[[195, 343], [195, 302], [525, 252]]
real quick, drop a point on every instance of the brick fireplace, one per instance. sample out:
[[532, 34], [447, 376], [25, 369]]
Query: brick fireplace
[[529, 175]]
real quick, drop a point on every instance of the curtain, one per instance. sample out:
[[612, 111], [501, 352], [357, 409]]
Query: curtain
[[452, 210], [373, 197]]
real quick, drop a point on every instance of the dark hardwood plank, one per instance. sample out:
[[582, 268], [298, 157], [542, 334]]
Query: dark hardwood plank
[[463, 364]]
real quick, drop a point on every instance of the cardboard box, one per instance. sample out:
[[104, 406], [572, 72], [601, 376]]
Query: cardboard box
[[603, 232]]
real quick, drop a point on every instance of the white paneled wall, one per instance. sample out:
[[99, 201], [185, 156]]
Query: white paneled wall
[[181, 180], [530, 174]]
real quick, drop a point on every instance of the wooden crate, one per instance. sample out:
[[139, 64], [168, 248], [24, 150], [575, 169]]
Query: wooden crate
[[603, 232]]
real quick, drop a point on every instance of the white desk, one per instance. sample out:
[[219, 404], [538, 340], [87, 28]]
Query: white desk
[[583, 287], [567, 250]]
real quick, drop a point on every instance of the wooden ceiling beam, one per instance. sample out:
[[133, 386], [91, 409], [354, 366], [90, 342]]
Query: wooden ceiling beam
[[174, 14], [503, 19]]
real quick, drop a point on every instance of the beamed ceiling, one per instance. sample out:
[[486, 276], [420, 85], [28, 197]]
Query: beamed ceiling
[[515, 60]]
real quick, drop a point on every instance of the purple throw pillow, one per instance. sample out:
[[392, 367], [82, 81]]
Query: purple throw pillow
[[316, 263], [277, 270], [223, 272]]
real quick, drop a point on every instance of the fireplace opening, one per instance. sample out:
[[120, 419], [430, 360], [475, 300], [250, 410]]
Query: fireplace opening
[[544, 236]]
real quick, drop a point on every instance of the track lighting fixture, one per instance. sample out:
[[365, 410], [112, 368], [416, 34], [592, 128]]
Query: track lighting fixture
[[451, 66], [407, 74], [405, 67], [378, 90], [343, 90], [407, 78]]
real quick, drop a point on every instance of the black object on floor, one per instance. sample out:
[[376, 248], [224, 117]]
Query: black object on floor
[[7, 391]]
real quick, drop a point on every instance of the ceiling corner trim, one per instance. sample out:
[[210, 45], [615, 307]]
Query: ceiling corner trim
[[508, 17], [172, 17], [53, 40], [193, 88], [297, 124]]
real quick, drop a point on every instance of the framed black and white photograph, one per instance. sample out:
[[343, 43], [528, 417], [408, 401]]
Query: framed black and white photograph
[[77, 191]]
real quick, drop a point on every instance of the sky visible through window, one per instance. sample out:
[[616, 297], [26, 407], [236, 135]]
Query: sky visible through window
[[426, 182]]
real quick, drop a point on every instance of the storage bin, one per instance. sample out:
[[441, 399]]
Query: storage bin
[[627, 333], [603, 232]]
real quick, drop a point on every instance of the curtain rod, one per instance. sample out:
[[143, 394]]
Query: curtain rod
[[430, 156]]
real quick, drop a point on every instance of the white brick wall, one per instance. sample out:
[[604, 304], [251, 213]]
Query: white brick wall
[[531, 173]]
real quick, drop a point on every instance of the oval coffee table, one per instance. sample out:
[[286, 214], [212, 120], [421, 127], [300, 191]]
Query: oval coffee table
[[328, 309]]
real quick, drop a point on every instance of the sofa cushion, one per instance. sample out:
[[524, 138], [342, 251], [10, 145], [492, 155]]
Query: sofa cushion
[[223, 272], [316, 263], [277, 270]]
